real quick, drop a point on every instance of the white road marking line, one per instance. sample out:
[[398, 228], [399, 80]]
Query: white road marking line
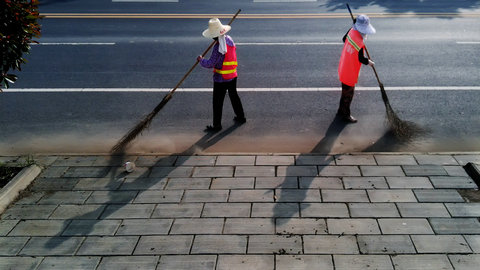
[[282, 1], [165, 1], [304, 89], [73, 43], [286, 43], [468, 42]]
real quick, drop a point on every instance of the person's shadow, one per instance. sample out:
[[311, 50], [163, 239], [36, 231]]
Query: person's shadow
[[117, 177]]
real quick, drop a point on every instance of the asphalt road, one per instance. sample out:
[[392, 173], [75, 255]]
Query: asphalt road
[[410, 50]]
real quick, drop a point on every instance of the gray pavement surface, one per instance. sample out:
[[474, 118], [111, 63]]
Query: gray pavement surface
[[289, 211]]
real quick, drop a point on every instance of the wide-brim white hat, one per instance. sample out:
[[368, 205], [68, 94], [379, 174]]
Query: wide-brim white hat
[[215, 29], [362, 25]]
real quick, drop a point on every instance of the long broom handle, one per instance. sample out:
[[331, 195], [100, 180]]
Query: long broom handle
[[366, 50], [203, 54]]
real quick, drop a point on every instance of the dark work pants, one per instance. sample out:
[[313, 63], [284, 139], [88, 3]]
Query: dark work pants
[[346, 100], [219, 91]]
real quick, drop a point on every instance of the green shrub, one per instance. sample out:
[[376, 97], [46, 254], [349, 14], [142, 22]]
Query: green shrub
[[18, 25]]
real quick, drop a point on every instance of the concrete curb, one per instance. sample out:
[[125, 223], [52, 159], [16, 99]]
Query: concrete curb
[[10, 192]]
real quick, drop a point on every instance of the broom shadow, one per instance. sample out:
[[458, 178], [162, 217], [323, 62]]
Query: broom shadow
[[119, 181], [282, 213]]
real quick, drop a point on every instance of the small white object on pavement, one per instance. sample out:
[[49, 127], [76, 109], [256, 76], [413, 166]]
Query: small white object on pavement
[[129, 166]]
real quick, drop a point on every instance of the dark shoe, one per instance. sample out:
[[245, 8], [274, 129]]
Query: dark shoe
[[240, 120], [213, 128], [350, 119]]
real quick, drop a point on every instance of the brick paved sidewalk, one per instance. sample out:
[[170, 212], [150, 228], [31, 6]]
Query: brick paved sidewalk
[[366, 211]]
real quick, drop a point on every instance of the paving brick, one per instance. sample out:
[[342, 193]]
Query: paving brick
[[206, 195], [455, 225], [196, 161], [372, 182], [277, 244], [424, 262], [404, 226], [242, 262], [226, 210], [185, 210], [409, 182], [297, 195], [108, 245], [65, 197], [373, 210], [320, 182], [321, 210], [98, 184], [92, 227], [258, 195], [395, 160], [77, 161], [233, 183], [300, 226], [314, 160], [53, 172], [249, 226], [339, 171], [6, 226], [128, 211], [10, 246], [458, 182], [440, 244], [382, 171], [438, 195], [49, 246], [159, 196], [344, 196], [254, 171], [189, 183], [144, 184], [464, 209], [31, 198], [330, 244], [20, 263], [464, 159], [355, 160], [155, 161], [236, 160], [29, 212], [276, 182], [360, 262], [436, 160], [353, 226], [182, 171], [399, 195], [474, 242], [164, 244], [422, 210], [61, 263], [424, 170], [67, 211], [110, 197], [297, 171], [465, 262], [275, 210], [219, 244], [52, 184], [120, 173], [96, 172], [145, 227], [39, 228], [188, 262], [455, 170], [223, 171], [275, 160], [128, 262], [197, 226], [385, 244], [289, 262]]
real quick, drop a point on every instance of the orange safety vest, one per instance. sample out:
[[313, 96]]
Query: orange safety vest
[[349, 66], [229, 67]]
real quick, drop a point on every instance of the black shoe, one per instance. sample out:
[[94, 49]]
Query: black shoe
[[213, 128], [350, 119], [239, 120]]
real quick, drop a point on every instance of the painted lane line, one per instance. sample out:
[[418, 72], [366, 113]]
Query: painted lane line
[[304, 89], [136, 1], [74, 43], [282, 1], [468, 42], [286, 43]]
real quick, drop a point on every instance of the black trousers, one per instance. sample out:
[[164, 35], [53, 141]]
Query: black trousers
[[219, 91], [346, 100]]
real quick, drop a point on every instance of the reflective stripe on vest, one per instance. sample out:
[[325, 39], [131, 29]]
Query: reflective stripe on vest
[[226, 71], [350, 40], [229, 65]]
